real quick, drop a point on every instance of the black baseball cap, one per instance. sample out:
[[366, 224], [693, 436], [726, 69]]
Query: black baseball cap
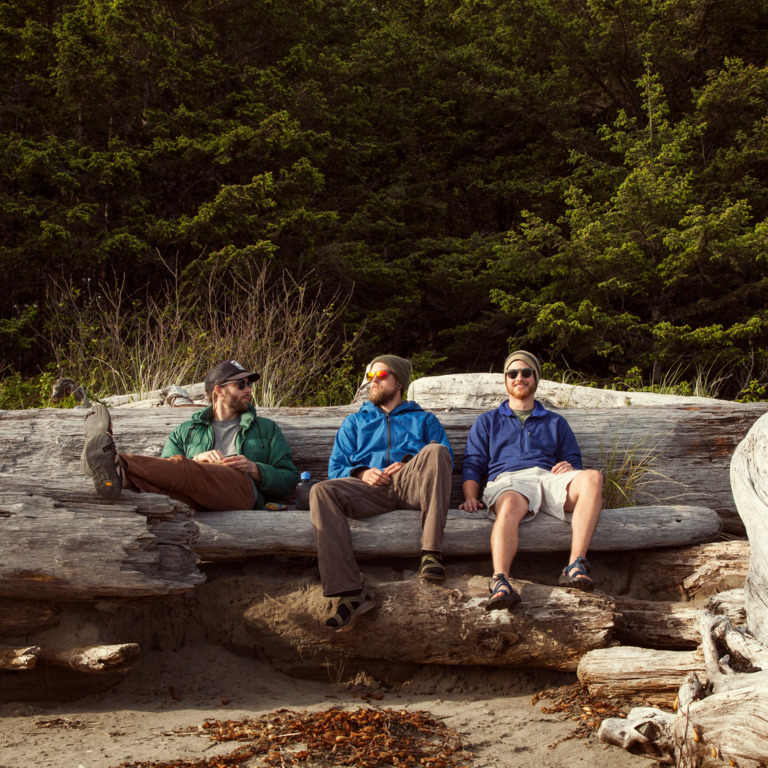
[[230, 370]]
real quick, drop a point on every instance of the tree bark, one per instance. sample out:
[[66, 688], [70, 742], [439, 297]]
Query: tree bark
[[59, 541], [246, 533]]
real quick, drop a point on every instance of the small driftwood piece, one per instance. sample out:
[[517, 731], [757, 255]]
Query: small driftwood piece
[[18, 658], [631, 672], [415, 622], [59, 541], [95, 658], [247, 533]]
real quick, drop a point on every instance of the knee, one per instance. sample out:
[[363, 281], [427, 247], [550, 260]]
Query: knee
[[511, 508], [438, 453], [593, 479]]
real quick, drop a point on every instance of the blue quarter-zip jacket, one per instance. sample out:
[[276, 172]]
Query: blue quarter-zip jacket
[[373, 438], [498, 443]]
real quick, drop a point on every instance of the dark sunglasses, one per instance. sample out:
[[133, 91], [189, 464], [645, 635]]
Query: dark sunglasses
[[241, 383], [526, 373], [371, 375]]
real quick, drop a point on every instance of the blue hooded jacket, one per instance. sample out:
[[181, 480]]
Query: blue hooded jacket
[[498, 443], [373, 438]]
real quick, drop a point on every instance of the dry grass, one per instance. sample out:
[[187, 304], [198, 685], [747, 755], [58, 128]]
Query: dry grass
[[119, 344]]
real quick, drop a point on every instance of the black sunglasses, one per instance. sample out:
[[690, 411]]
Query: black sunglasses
[[241, 383], [526, 373]]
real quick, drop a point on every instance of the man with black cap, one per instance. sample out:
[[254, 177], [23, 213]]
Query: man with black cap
[[389, 455], [224, 457], [531, 461]]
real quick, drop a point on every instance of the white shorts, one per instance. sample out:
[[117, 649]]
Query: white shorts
[[544, 490]]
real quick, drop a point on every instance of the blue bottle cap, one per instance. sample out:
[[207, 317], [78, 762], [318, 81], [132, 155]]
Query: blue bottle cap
[[305, 475]]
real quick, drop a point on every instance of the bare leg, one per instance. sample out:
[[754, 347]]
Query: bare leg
[[511, 508], [585, 500]]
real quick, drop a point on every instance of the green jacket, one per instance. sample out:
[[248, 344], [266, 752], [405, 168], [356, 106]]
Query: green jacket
[[259, 440]]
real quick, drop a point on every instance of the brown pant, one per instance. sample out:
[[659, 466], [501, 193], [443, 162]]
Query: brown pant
[[423, 483], [202, 486]]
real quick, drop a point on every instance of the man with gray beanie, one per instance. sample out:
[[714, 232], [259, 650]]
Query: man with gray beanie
[[529, 460], [389, 455]]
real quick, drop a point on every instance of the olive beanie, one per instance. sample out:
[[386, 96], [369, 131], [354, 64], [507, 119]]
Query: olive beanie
[[398, 365], [532, 360]]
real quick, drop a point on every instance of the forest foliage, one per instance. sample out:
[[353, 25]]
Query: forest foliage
[[583, 177]]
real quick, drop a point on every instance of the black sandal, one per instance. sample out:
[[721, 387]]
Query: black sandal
[[349, 608], [432, 568], [576, 575], [502, 594]]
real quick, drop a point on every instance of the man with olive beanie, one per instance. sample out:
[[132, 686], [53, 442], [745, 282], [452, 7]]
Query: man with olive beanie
[[389, 455], [529, 460]]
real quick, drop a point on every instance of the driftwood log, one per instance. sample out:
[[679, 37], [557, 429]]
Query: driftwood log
[[692, 445], [246, 533], [415, 622], [60, 541], [722, 714]]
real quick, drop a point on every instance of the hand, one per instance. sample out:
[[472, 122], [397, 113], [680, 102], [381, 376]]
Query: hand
[[244, 465], [209, 457], [562, 466], [471, 505], [393, 469], [375, 477]]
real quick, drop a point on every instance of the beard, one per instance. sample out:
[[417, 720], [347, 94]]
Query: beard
[[236, 401], [379, 396]]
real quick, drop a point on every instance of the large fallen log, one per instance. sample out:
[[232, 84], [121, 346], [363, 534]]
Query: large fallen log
[[60, 541], [246, 533], [414, 622], [692, 446]]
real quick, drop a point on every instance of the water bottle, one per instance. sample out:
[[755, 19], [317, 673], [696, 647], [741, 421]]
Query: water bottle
[[302, 491]]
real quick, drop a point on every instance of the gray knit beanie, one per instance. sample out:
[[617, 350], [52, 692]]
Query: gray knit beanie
[[532, 360], [399, 366]]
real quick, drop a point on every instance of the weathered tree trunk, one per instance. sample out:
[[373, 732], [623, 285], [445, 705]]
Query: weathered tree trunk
[[693, 445], [414, 622], [246, 533], [749, 478], [60, 541]]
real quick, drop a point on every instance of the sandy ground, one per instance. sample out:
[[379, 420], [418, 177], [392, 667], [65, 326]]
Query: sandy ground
[[171, 691]]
